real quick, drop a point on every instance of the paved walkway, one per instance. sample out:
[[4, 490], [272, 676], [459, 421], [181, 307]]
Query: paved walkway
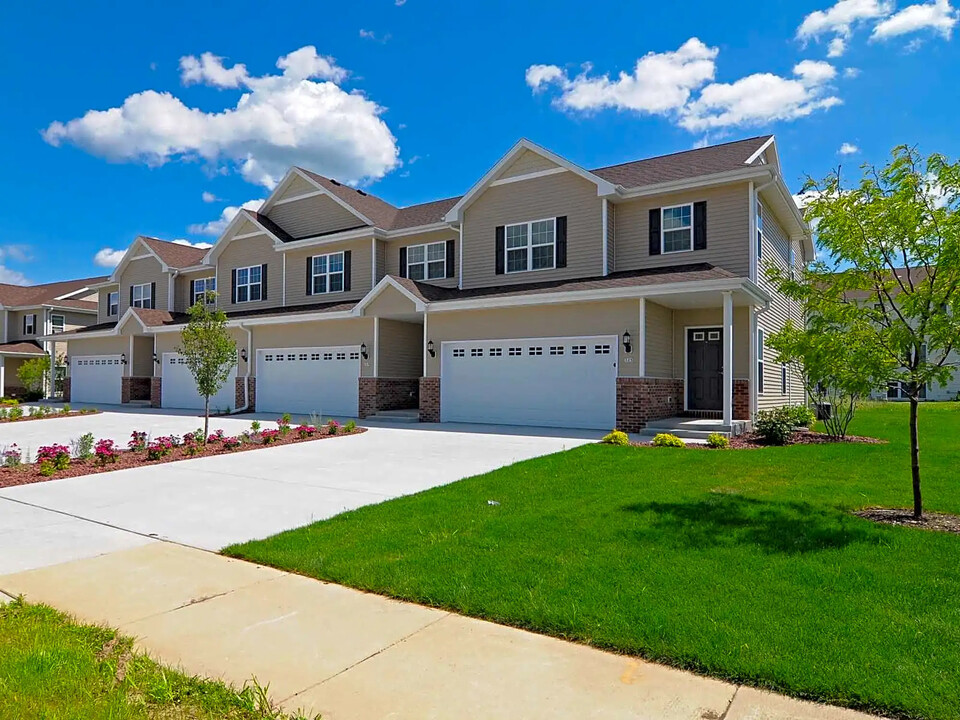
[[349, 655]]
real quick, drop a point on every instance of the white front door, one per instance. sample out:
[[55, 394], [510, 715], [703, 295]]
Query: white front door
[[551, 382], [178, 389], [321, 380], [95, 379]]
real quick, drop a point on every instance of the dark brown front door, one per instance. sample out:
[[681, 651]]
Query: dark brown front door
[[704, 369]]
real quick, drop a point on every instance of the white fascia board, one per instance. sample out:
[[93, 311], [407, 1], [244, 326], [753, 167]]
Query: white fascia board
[[419, 230], [101, 285], [355, 234], [225, 239], [295, 172], [759, 151], [388, 281], [197, 268], [280, 319], [751, 289], [70, 337], [128, 258], [54, 306], [724, 178], [455, 214]]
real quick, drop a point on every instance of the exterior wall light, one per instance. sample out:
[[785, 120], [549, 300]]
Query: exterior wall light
[[627, 342], [363, 351], [430, 346], [123, 358], [243, 354], [156, 360]]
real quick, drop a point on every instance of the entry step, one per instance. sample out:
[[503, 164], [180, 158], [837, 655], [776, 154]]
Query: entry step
[[689, 428], [397, 416]]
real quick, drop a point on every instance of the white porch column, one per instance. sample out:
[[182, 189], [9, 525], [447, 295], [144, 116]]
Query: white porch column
[[728, 358], [376, 346], [3, 375], [425, 340], [52, 349], [753, 362], [641, 342]]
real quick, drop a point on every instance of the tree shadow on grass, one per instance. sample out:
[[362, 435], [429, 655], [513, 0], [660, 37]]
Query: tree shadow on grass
[[727, 520]]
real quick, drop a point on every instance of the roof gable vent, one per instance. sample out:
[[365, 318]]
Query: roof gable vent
[[334, 181]]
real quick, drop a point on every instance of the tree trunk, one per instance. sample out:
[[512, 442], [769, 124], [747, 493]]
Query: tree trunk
[[206, 421], [915, 459]]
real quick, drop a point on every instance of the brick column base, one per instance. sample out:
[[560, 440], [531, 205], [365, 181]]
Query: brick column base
[[66, 389], [376, 394], [251, 398], [640, 400], [125, 390], [155, 396], [430, 399], [134, 388], [741, 399]]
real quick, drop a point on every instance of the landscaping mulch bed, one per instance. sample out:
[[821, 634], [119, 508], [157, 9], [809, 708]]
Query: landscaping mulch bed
[[942, 522], [29, 473], [51, 416], [753, 441]]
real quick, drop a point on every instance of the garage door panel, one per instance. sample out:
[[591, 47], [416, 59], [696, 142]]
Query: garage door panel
[[96, 379], [554, 382], [321, 380], [178, 389]]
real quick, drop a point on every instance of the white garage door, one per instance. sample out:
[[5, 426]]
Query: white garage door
[[179, 390], [95, 379], [553, 382], [321, 380]]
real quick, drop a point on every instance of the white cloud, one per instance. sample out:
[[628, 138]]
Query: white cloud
[[199, 245], [209, 197], [660, 82], [851, 72], [837, 47], [216, 227], [399, 3], [762, 98], [18, 253], [938, 16], [300, 116], [108, 257], [371, 35], [840, 20], [13, 277], [848, 149]]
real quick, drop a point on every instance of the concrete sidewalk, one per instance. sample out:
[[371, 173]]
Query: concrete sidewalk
[[350, 655]]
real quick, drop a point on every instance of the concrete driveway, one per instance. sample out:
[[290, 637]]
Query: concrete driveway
[[212, 502]]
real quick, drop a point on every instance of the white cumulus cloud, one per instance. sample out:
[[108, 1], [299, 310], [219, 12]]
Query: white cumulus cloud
[[938, 16], [837, 47], [299, 116], [841, 19], [13, 277], [848, 149], [209, 197], [108, 257], [199, 245], [216, 227]]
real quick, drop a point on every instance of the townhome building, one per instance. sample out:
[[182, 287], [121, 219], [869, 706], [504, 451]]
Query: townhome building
[[32, 318], [546, 295]]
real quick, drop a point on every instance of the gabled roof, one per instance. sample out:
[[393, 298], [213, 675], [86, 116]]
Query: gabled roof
[[174, 255], [47, 293], [379, 212], [24, 347]]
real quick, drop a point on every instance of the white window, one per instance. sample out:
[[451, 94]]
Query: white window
[[328, 273], [113, 303], [204, 290], [676, 229], [141, 296], [531, 246], [29, 324], [760, 361], [249, 288], [57, 323], [759, 230], [427, 262]]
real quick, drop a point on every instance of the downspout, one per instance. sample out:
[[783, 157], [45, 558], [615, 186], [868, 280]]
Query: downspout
[[246, 379]]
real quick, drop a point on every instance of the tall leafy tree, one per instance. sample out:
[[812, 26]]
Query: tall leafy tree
[[209, 352], [32, 374], [889, 279]]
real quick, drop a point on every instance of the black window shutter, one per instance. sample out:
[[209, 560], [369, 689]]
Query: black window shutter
[[153, 296], [403, 262], [263, 281], [501, 241], [131, 296], [451, 265], [561, 246], [233, 285], [700, 225], [24, 324], [346, 270], [310, 276], [654, 231]]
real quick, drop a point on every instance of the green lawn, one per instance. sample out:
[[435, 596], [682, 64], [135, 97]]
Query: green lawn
[[54, 669], [744, 565]]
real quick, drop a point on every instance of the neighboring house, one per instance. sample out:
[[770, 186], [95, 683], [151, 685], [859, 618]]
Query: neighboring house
[[546, 295], [32, 317]]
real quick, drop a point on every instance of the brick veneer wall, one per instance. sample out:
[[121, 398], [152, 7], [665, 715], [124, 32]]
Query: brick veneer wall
[[66, 389], [367, 397], [155, 392], [741, 399], [640, 400], [378, 394], [238, 397], [430, 399], [134, 388]]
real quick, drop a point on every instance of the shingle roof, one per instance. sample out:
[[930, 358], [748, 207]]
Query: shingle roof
[[30, 347], [175, 255], [272, 226], [46, 294], [379, 211]]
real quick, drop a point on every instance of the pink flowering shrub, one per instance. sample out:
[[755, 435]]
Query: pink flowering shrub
[[12, 456], [269, 436], [231, 443], [161, 447], [106, 452], [305, 431], [191, 445], [215, 437], [333, 427], [57, 455], [138, 441]]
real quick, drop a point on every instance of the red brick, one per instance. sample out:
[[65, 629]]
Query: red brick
[[155, 392], [430, 399], [640, 400]]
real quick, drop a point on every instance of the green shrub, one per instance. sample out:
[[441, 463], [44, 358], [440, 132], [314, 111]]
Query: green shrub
[[615, 437], [47, 468], [668, 440], [66, 408], [774, 426], [9, 401], [801, 415], [82, 446], [16, 412], [718, 441], [350, 426]]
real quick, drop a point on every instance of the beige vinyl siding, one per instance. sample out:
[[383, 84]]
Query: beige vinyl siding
[[393, 254], [73, 320], [245, 253], [712, 317], [247, 227], [381, 254], [728, 230], [389, 301], [144, 271], [611, 237], [142, 364], [15, 326], [10, 367], [168, 342], [775, 254], [98, 346], [316, 215], [297, 186], [547, 197], [321, 333], [183, 287], [525, 163], [659, 337], [360, 272], [582, 319], [103, 304], [401, 349]]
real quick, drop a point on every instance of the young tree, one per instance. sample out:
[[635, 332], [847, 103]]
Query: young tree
[[32, 374], [888, 286], [210, 353]]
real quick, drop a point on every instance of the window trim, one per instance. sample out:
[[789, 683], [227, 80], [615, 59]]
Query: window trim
[[761, 338], [760, 234], [528, 247], [784, 389], [342, 272], [426, 261], [146, 296], [205, 291], [113, 303], [663, 230], [30, 324], [53, 325], [248, 284]]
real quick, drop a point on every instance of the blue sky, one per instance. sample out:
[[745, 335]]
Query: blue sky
[[415, 100]]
